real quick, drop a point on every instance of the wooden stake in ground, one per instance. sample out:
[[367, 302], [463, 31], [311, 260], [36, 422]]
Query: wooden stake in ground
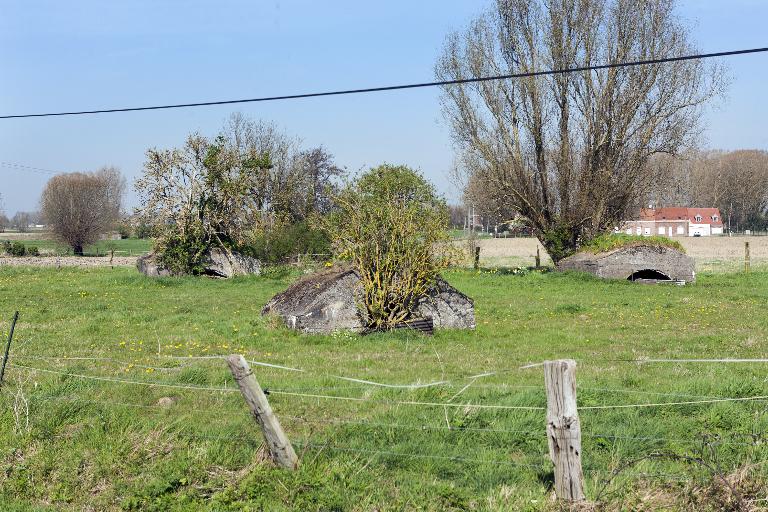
[[746, 257], [477, 257], [280, 449], [563, 428], [8, 346]]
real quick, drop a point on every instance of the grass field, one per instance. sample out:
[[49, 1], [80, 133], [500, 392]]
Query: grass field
[[103, 445], [128, 246]]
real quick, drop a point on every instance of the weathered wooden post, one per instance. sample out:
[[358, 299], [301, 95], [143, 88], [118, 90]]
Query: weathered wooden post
[[8, 346], [563, 428], [538, 257], [280, 448], [746, 257], [477, 257]]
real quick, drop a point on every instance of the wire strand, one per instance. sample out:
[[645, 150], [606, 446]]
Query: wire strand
[[420, 85], [22, 167], [287, 393], [397, 402]]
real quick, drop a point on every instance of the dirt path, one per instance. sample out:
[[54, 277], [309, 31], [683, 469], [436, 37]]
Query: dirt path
[[67, 261]]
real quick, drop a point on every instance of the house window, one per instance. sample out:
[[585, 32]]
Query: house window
[[661, 230], [647, 231], [714, 218], [629, 231], [680, 230], [698, 218], [639, 230]]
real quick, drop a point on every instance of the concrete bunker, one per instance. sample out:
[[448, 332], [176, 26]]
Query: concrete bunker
[[329, 301], [642, 263]]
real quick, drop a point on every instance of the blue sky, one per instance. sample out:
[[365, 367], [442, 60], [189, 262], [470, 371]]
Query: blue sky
[[85, 55]]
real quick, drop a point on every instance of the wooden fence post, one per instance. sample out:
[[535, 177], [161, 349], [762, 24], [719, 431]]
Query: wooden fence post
[[746, 257], [563, 428], [280, 448], [538, 258], [477, 257]]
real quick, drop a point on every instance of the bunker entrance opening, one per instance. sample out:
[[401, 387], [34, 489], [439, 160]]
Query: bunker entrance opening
[[648, 274]]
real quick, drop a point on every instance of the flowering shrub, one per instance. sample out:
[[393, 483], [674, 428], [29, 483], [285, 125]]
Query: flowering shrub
[[393, 227]]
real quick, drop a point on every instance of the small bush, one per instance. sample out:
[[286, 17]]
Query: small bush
[[32, 250], [613, 241], [143, 231], [14, 248], [182, 251], [394, 228], [124, 229]]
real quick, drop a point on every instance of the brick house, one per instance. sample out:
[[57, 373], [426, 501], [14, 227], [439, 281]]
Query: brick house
[[675, 221]]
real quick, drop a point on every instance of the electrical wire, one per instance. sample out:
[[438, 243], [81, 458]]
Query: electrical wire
[[439, 83], [21, 167]]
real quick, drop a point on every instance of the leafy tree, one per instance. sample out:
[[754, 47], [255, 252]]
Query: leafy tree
[[81, 206], [392, 226], [568, 151], [198, 197], [236, 191]]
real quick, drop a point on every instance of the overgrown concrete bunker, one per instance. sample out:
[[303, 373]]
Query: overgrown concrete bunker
[[328, 301], [640, 263]]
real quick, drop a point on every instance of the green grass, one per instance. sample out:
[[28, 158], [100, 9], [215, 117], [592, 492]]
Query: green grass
[[609, 242], [461, 234], [128, 246], [109, 446]]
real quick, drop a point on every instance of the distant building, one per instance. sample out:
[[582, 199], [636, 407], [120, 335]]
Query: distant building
[[675, 221]]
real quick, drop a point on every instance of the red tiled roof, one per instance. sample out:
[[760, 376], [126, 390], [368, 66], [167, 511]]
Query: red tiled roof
[[671, 213], [681, 213], [707, 215]]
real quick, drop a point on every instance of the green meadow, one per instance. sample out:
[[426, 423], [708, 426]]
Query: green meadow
[[124, 247], [111, 400]]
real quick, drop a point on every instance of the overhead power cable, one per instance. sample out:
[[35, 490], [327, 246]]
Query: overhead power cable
[[420, 85], [22, 167]]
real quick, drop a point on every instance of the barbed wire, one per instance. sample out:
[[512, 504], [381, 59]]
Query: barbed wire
[[360, 381], [417, 427], [399, 402], [123, 381], [669, 404], [416, 385], [275, 392]]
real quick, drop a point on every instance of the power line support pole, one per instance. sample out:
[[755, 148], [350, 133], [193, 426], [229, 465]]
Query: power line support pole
[[280, 448], [8, 346], [564, 429]]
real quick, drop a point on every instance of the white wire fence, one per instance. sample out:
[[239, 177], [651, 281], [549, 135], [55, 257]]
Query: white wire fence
[[363, 391]]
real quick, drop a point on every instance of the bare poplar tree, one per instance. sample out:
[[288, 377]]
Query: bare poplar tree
[[569, 151], [81, 206], [21, 221]]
